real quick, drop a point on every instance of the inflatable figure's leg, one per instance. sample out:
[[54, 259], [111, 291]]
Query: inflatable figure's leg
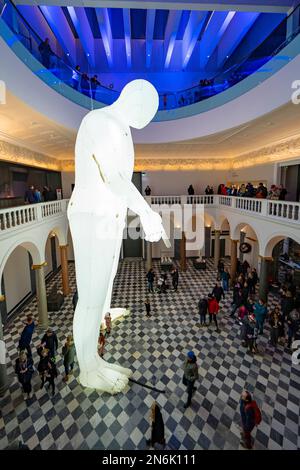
[[94, 261], [107, 303]]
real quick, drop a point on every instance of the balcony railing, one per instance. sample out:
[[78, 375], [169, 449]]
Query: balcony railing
[[278, 210], [63, 69], [18, 217], [281, 211]]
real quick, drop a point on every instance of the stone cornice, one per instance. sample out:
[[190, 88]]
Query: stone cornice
[[15, 154], [280, 151]]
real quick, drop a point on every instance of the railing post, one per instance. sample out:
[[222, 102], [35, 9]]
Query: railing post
[[182, 200], [3, 370], [264, 207], [39, 216]]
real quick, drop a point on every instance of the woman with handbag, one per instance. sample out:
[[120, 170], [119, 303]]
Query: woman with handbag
[[24, 369]]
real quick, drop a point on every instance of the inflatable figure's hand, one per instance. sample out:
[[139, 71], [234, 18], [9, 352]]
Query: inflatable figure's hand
[[153, 227]]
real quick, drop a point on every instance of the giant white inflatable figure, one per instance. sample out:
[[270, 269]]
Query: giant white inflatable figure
[[104, 162]]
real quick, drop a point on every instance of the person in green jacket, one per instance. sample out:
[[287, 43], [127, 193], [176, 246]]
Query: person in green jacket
[[260, 312], [190, 375], [68, 352]]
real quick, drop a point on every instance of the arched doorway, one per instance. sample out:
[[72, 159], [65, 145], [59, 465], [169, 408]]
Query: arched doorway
[[284, 262], [245, 233], [17, 278]]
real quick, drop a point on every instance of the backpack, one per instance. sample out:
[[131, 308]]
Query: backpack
[[257, 412]]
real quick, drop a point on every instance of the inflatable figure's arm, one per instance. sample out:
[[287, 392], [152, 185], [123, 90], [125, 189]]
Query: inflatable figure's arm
[[107, 160]]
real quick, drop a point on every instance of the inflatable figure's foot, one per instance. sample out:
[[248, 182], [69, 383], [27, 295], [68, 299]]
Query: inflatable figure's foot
[[117, 314], [117, 368], [104, 378]]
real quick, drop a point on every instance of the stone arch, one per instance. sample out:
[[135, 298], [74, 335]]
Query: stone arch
[[59, 233], [31, 246], [209, 220], [271, 242], [223, 221], [240, 225]]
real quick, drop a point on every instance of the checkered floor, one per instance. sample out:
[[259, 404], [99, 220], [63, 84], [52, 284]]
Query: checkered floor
[[155, 348]]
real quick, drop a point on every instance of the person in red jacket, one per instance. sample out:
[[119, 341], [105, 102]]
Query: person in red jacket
[[213, 308]]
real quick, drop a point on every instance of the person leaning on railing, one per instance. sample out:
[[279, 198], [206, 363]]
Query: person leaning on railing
[[46, 53], [76, 77]]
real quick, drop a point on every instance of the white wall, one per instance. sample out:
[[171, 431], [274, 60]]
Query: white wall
[[17, 277], [48, 258], [259, 173], [171, 183]]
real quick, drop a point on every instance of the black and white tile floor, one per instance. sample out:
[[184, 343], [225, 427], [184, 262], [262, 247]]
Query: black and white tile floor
[[155, 348]]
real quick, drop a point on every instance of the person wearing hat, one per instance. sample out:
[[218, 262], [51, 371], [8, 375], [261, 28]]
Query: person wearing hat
[[190, 375]]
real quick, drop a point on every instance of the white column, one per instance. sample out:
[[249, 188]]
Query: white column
[[3, 370], [149, 255], [217, 248], [41, 295]]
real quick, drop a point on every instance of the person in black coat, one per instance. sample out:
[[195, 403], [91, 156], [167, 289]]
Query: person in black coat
[[248, 419], [157, 427], [191, 190], [221, 267], [245, 267], [287, 304], [26, 335], [150, 278], [46, 52], [45, 194], [148, 191], [255, 277], [49, 341], [175, 278], [24, 370], [47, 368], [148, 308], [237, 301], [203, 305], [218, 292], [75, 299]]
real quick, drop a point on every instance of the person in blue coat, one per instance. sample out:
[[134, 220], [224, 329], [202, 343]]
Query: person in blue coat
[[248, 419], [26, 335], [260, 312]]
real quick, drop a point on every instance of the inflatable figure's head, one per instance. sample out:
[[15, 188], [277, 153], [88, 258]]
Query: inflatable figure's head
[[138, 103]]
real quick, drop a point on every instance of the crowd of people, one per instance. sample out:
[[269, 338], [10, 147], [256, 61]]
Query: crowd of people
[[250, 312], [82, 82], [47, 352], [248, 190], [34, 195], [162, 284], [276, 192]]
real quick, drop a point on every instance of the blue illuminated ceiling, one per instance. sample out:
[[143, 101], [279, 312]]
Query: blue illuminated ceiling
[[122, 40]]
